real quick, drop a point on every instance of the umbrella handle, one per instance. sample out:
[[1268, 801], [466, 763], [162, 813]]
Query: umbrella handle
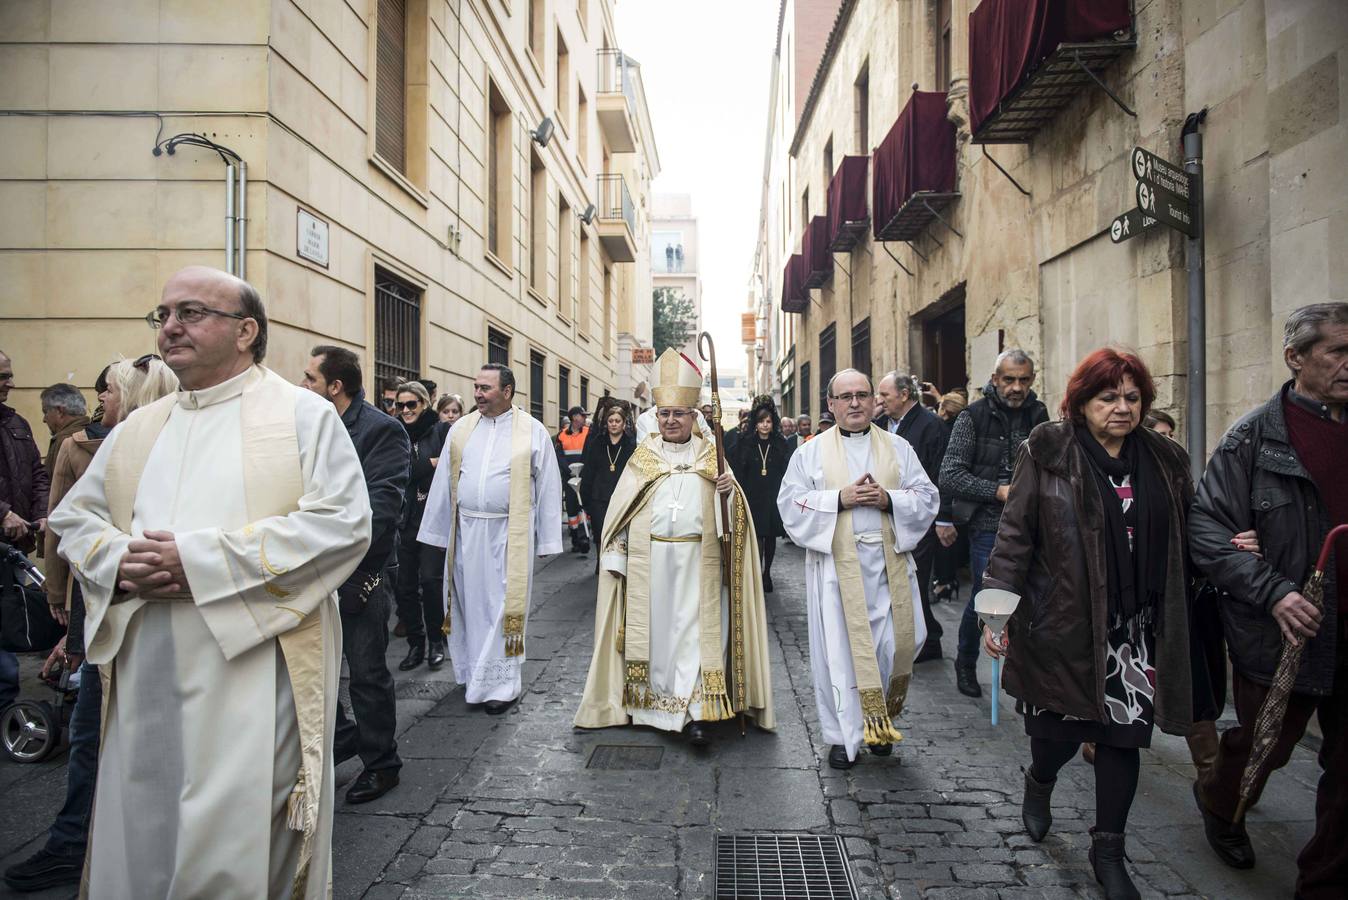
[[1334, 533], [996, 687]]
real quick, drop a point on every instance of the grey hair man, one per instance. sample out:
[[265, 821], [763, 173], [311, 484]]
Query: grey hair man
[[899, 394], [65, 411], [1279, 470], [976, 478]]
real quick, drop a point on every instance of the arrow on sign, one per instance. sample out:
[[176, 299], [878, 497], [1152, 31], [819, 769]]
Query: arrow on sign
[[1130, 225], [1152, 170], [1166, 207]]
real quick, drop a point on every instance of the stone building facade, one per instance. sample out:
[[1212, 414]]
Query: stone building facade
[[400, 196], [1022, 256]]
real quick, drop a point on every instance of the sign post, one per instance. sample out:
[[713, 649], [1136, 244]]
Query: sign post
[[1171, 196]]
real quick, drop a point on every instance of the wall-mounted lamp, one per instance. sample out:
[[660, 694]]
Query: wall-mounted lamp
[[543, 133], [588, 215]]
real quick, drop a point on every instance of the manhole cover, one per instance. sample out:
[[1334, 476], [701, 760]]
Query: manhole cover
[[625, 756], [781, 867], [423, 690]]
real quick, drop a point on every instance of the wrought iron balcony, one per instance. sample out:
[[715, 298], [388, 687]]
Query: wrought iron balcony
[[616, 99], [617, 219]]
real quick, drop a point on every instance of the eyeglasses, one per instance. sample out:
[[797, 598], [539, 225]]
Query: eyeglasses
[[386, 402], [410, 404], [673, 414], [144, 362], [854, 397], [189, 314]]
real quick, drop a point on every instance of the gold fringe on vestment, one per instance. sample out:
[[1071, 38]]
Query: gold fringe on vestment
[[636, 685], [878, 729], [296, 818], [444, 629], [514, 635], [715, 697]]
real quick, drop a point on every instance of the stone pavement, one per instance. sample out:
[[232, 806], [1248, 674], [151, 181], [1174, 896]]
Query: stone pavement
[[506, 807]]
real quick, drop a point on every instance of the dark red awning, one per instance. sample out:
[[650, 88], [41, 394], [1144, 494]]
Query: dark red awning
[[795, 299], [918, 154], [818, 258], [1009, 38], [847, 202]]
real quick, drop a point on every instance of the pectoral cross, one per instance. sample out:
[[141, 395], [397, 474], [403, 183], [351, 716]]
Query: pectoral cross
[[675, 507]]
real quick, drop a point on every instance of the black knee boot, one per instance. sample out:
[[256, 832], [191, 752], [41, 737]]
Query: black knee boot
[[1106, 857]]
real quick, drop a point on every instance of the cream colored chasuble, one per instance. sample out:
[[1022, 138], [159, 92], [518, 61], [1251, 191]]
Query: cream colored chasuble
[[200, 792], [808, 503]]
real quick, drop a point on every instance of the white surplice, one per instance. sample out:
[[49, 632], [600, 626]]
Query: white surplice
[[809, 513], [477, 619], [200, 751], [675, 592]]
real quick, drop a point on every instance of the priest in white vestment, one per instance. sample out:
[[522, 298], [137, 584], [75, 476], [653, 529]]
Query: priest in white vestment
[[494, 506], [210, 533], [680, 637], [857, 499]]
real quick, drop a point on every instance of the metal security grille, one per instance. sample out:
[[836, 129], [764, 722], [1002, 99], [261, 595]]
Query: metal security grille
[[563, 389], [781, 867], [390, 103], [397, 328], [625, 756], [537, 384], [498, 347]]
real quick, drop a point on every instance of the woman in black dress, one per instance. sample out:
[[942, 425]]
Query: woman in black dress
[[759, 461], [1093, 538], [606, 454]]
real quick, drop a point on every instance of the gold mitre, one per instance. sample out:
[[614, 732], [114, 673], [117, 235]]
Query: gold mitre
[[678, 381]]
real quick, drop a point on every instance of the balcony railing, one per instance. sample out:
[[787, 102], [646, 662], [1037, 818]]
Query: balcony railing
[[617, 218], [618, 98]]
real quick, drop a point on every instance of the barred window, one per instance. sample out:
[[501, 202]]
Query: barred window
[[828, 361], [537, 383], [498, 347], [861, 346], [564, 389], [584, 392], [397, 328]]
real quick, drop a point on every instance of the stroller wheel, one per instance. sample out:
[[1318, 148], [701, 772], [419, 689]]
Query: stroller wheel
[[30, 731]]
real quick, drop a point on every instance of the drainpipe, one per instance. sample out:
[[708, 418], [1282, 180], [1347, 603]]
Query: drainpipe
[[242, 269], [1197, 300], [231, 223]]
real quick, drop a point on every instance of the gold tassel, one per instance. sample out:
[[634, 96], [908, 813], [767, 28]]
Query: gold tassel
[[296, 817], [444, 629], [878, 728], [715, 698], [514, 635], [620, 640]]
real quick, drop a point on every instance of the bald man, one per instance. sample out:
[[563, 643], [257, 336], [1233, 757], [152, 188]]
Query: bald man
[[210, 533]]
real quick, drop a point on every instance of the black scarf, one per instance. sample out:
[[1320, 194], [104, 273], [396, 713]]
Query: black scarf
[[1135, 576], [424, 423]]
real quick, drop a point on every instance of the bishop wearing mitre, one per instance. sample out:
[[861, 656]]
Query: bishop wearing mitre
[[680, 636], [857, 499]]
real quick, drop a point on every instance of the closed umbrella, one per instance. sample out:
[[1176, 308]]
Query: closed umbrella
[[1268, 724]]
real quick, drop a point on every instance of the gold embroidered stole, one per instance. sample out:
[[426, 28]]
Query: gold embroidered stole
[[519, 521], [635, 635], [877, 709], [273, 485]]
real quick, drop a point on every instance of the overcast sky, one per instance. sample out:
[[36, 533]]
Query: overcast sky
[[706, 65]]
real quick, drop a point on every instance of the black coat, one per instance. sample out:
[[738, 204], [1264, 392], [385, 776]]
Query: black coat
[[427, 437], [382, 446], [746, 461], [1050, 550], [24, 481], [1255, 480], [596, 481]]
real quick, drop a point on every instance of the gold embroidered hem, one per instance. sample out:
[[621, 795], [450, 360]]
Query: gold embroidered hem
[[877, 728]]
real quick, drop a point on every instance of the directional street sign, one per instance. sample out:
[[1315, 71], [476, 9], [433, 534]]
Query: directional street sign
[[1130, 225], [1150, 169], [1166, 207]]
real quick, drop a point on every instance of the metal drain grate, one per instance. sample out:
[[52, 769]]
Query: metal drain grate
[[625, 756], [423, 690], [781, 867]]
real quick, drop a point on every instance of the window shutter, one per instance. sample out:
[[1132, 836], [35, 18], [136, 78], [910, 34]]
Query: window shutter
[[390, 103]]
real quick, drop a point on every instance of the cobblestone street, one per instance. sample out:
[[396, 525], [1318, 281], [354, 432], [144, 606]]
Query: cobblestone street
[[506, 807]]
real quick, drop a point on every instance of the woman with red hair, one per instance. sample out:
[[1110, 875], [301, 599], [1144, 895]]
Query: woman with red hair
[[1093, 540]]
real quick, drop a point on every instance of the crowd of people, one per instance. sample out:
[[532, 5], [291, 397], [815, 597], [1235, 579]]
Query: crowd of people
[[198, 526]]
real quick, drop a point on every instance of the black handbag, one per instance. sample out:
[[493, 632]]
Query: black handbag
[[26, 623]]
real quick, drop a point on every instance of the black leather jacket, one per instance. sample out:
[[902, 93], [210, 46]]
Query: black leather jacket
[[1255, 480], [382, 445]]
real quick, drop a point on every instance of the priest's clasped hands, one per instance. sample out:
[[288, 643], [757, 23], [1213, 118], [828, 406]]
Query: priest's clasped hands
[[865, 491], [152, 566]]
